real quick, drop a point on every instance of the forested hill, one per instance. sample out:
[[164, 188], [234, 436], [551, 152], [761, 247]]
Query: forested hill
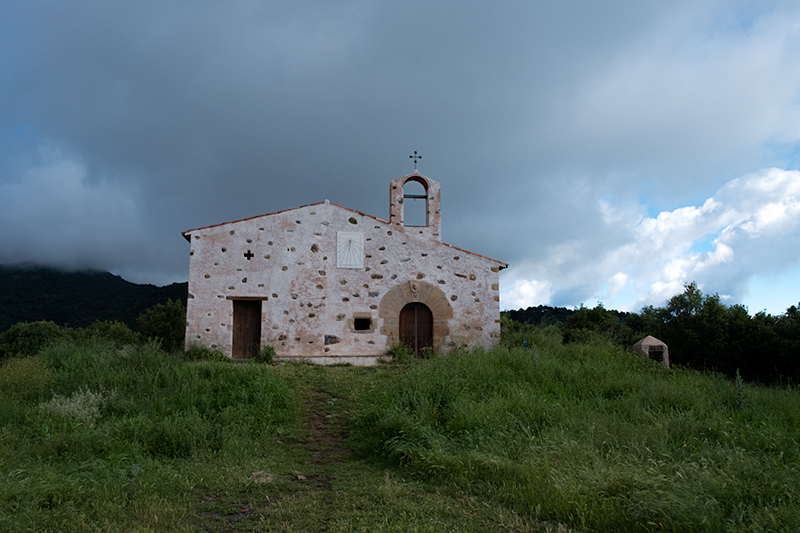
[[29, 293], [544, 315]]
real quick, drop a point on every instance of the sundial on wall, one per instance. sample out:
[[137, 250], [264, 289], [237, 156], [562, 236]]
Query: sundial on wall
[[349, 249]]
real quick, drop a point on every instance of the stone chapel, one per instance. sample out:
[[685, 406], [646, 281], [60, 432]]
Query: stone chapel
[[329, 284]]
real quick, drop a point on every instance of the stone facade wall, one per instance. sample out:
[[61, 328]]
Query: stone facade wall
[[309, 305]]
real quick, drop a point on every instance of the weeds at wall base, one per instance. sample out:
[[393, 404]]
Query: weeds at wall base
[[400, 354]]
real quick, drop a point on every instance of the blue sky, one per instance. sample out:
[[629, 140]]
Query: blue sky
[[608, 151]]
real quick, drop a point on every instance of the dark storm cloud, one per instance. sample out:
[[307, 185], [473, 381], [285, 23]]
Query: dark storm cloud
[[178, 115]]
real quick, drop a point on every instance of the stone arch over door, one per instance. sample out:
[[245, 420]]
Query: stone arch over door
[[415, 291]]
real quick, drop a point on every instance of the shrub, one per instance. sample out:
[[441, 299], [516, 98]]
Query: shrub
[[741, 401], [400, 354], [26, 377], [114, 330], [197, 352], [83, 406], [165, 323], [27, 338], [179, 435], [519, 335], [265, 354], [427, 353], [584, 323]]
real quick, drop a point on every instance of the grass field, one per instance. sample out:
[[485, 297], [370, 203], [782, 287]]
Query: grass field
[[579, 437]]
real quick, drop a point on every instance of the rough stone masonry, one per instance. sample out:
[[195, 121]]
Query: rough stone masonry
[[333, 285]]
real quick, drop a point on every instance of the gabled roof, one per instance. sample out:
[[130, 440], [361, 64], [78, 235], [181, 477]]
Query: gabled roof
[[649, 341], [502, 265], [189, 231]]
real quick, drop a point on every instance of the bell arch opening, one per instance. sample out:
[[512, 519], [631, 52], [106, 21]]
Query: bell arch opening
[[415, 204]]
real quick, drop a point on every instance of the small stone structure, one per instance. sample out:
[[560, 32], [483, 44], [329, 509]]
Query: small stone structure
[[333, 285], [654, 349]]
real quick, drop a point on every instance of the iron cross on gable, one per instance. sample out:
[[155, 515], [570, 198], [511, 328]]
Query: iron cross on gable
[[416, 158], [249, 255]]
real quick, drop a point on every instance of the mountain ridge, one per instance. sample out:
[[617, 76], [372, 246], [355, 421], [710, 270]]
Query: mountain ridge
[[30, 292]]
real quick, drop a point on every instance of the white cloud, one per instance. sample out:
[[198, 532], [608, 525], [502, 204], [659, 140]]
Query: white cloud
[[617, 282], [756, 220], [523, 292]]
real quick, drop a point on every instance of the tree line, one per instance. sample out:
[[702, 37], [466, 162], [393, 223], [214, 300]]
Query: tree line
[[701, 332], [164, 324]]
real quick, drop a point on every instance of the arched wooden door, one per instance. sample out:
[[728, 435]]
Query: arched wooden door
[[416, 326]]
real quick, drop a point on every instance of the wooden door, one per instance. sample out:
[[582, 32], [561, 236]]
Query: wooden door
[[246, 328], [416, 326]]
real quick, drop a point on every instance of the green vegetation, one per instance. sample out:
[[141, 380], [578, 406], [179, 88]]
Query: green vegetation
[[27, 338], [541, 315], [704, 333], [265, 354], [582, 436], [165, 323], [592, 436], [98, 437], [700, 331], [400, 354]]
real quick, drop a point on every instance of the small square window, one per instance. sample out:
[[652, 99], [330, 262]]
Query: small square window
[[362, 324]]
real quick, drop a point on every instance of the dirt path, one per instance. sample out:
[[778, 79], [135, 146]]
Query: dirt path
[[310, 481], [303, 473], [328, 421]]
